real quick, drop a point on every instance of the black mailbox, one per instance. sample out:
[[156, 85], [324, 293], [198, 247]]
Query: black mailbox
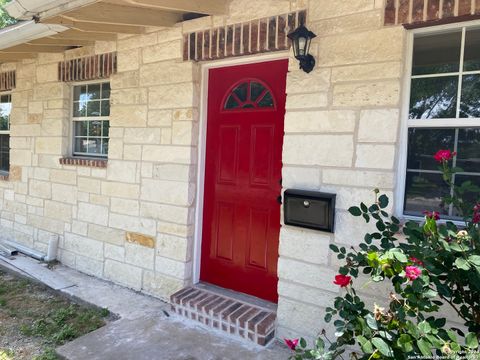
[[309, 209]]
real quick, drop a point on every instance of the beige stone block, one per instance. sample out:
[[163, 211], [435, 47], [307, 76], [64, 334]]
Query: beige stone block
[[172, 96], [367, 72], [124, 206], [63, 176], [300, 317], [166, 136], [106, 234], [128, 60], [89, 185], [132, 152], [384, 93], [140, 256], [320, 121], [161, 286], [129, 116], [354, 23], [94, 214], [89, 266], [359, 178], [124, 274], [25, 130], [307, 101], [102, 47], [381, 45], [138, 41], [99, 199], [347, 197], [35, 107], [114, 252], [169, 213], [300, 82], [378, 125], [159, 118], [375, 156], [322, 9], [350, 230], [56, 210], [117, 189], [15, 173], [245, 10], [121, 171], [184, 133], [133, 224], [41, 189], [307, 274], [301, 177], [82, 246], [170, 72], [64, 193], [115, 149], [142, 136], [128, 79], [140, 239], [49, 91], [173, 172], [133, 96], [79, 228], [176, 269], [20, 143], [306, 294], [49, 145], [169, 154], [316, 150], [304, 245], [173, 247], [169, 192], [175, 229], [47, 73], [19, 116], [21, 157]]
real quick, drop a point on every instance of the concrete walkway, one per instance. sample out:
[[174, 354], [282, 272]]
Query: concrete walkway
[[146, 329]]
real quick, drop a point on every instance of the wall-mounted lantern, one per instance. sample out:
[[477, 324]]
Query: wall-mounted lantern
[[301, 40]]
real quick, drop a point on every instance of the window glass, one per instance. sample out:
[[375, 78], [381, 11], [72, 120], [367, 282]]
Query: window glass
[[433, 98], [438, 53], [91, 108], [472, 50], [470, 100], [250, 94], [4, 152], [5, 110]]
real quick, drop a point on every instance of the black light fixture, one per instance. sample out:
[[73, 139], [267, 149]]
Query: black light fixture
[[301, 40]]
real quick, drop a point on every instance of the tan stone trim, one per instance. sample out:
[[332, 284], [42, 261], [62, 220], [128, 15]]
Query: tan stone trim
[[422, 13], [7, 80], [140, 239], [247, 38], [98, 163], [94, 67]]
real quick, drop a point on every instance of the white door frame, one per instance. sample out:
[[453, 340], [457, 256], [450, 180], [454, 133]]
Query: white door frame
[[202, 142]]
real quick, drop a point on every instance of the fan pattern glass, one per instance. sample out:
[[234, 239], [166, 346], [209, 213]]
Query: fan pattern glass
[[250, 94]]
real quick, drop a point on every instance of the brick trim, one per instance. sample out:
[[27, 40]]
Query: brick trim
[[94, 67], [98, 163], [8, 80], [247, 38], [421, 13]]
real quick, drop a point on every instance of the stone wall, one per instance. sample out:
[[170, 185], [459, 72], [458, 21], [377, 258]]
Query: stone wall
[[133, 222]]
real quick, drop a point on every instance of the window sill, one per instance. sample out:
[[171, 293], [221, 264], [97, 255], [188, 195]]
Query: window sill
[[4, 176], [419, 219], [96, 163]]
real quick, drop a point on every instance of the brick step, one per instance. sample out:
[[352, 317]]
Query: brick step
[[234, 315]]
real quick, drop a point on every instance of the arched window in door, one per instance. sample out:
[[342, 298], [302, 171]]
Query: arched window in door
[[249, 94]]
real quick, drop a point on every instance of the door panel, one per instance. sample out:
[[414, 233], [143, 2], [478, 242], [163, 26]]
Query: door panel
[[241, 216]]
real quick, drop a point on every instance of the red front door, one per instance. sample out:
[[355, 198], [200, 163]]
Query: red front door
[[241, 219]]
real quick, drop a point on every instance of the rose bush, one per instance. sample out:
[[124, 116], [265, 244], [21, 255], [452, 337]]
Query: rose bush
[[435, 265]]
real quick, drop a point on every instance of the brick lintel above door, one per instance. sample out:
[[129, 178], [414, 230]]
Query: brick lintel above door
[[247, 38]]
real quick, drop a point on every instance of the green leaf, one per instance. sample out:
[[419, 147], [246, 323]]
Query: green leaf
[[404, 342], [471, 341], [355, 211], [400, 256], [363, 207], [463, 264], [474, 259], [424, 327], [383, 201], [334, 248], [303, 343], [365, 344], [371, 322], [425, 347], [382, 346]]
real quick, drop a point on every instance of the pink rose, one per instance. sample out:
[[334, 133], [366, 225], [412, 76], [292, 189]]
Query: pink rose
[[476, 214], [342, 280], [444, 155], [412, 272], [292, 344], [416, 261]]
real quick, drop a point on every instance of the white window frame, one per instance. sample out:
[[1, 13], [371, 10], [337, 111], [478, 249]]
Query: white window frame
[[6, 132], [406, 123], [96, 118]]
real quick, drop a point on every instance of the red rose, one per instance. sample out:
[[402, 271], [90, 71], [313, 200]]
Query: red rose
[[342, 280], [476, 214], [416, 261], [444, 155], [292, 344], [432, 215]]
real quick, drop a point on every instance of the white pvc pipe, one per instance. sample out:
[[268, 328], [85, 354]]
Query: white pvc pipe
[[52, 248]]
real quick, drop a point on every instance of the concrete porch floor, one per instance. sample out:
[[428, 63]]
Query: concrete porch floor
[[144, 331]]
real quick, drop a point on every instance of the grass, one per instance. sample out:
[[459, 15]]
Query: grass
[[36, 320]]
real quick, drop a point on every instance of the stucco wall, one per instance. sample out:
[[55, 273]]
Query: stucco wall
[[341, 136]]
